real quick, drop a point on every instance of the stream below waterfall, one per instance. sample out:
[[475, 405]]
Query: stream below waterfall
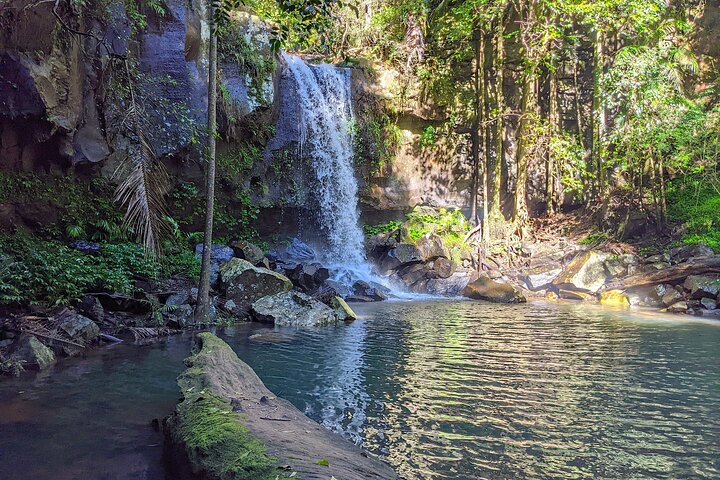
[[441, 389]]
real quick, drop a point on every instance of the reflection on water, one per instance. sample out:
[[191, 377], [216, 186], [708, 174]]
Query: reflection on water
[[468, 390], [445, 390]]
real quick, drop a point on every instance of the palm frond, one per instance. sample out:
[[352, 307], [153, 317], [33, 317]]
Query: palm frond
[[146, 183]]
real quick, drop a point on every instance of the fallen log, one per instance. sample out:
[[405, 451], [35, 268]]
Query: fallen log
[[696, 266]]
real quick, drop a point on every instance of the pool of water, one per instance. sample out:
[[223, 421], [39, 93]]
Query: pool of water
[[442, 389]]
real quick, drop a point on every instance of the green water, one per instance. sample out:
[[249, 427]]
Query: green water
[[442, 389]]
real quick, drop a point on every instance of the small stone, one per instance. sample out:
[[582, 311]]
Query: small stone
[[491, 291], [343, 310], [679, 307], [708, 303]]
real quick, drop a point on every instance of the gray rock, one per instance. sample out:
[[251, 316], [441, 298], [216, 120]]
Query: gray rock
[[182, 316], [491, 291], [91, 307], [178, 298], [443, 267], [431, 246], [248, 251], [244, 283], [660, 258], [218, 253], [300, 251], [541, 276], [451, 286], [708, 303], [679, 307], [586, 271], [80, 329], [364, 289], [671, 297], [406, 253], [32, 352], [687, 252], [701, 286], [293, 309]]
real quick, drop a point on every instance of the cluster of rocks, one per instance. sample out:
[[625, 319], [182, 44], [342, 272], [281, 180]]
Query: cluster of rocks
[[424, 266], [626, 279], [38, 347], [278, 288]]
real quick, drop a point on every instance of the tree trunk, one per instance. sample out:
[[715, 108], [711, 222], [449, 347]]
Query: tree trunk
[[475, 133], [582, 134], [203, 302], [495, 205], [599, 114], [528, 112], [484, 129], [554, 119]]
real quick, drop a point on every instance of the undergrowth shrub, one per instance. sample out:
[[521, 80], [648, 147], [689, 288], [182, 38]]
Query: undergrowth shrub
[[695, 202]]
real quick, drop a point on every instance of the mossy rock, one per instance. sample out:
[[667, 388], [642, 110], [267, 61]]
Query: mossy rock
[[206, 429]]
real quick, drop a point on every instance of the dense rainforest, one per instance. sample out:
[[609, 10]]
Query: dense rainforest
[[450, 238]]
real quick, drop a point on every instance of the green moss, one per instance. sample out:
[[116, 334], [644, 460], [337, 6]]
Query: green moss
[[215, 437]]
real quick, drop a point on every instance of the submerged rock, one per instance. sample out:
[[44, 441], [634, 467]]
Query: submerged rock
[[34, 355], [614, 298], [362, 288], [491, 291], [294, 309], [245, 283]]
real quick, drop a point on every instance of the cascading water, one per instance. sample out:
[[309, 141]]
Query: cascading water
[[326, 137]]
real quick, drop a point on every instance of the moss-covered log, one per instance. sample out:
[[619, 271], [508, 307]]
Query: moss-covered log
[[230, 426]]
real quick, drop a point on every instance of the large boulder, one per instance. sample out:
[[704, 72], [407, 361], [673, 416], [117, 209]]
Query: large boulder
[[247, 251], [34, 355], [646, 296], [431, 246], [293, 309], [491, 291], [443, 268], [300, 251], [79, 328], [244, 283], [701, 286], [541, 276], [406, 253], [308, 278], [219, 254], [586, 272], [451, 286]]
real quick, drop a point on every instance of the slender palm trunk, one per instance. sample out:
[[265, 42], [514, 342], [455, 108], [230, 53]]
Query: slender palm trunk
[[554, 129], [475, 134], [495, 207], [203, 302], [528, 109]]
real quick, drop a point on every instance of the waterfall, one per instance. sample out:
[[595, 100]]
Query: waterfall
[[326, 137]]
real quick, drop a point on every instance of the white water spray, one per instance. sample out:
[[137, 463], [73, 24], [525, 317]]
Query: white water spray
[[326, 136]]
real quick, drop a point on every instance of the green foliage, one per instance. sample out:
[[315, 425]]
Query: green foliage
[[84, 208], [695, 202], [388, 227], [376, 140], [595, 238], [234, 163], [36, 271], [137, 11], [234, 48], [428, 137], [450, 225]]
